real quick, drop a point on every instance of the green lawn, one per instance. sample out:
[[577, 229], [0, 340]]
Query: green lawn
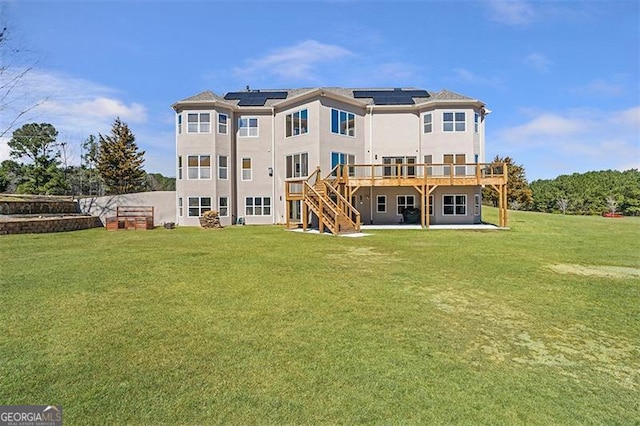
[[257, 325]]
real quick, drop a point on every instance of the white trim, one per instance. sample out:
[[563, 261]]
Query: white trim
[[242, 169], [199, 122], [454, 205], [198, 167], [424, 124], [199, 207], [262, 205], [331, 123], [378, 203], [226, 168], [248, 128], [220, 207], [405, 204], [226, 124], [454, 122], [286, 127]]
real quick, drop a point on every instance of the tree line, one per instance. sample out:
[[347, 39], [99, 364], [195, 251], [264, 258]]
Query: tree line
[[109, 164], [590, 193]]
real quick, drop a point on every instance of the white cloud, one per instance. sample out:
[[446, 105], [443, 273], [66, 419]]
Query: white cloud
[[601, 87], [97, 107], [462, 75], [629, 118], [538, 61], [544, 126], [580, 140], [514, 13], [4, 149], [75, 107], [297, 62]]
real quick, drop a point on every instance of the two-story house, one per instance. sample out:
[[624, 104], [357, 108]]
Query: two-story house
[[254, 156]]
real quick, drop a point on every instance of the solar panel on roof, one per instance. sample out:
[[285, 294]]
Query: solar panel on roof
[[255, 98], [391, 97]]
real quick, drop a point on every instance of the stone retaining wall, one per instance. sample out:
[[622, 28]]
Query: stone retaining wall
[[45, 225], [38, 207]]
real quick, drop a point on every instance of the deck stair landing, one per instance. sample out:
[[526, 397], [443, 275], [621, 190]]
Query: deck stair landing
[[333, 211]]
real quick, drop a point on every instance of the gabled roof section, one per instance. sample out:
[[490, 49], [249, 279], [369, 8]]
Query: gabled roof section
[[207, 95], [202, 99], [447, 95]]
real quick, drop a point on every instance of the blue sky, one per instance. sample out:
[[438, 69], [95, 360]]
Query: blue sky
[[561, 78]]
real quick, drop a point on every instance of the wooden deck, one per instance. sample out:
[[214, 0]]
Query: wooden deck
[[425, 178]]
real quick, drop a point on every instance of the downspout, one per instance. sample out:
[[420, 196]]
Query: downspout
[[273, 163], [370, 107], [178, 218]]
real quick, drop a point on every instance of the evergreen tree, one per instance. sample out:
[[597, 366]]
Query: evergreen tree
[[120, 162], [36, 143], [10, 174], [518, 192], [589, 193]]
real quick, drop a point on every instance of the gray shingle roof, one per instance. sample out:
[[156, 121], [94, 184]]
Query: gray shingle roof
[[207, 95], [442, 95]]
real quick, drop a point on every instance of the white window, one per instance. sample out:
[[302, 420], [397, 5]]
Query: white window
[[297, 123], [258, 206], [223, 206], [459, 159], [199, 167], [179, 123], [343, 123], [476, 122], [248, 127], [476, 204], [405, 202], [199, 205], [199, 122], [430, 205], [246, 169], [297, 165], [179, 167], [454, 205], [405, 171], [381, 204], [428, 159], [223, 168], [344, 159], [428, 123], [222, 123], [453, 121], [180, 206]]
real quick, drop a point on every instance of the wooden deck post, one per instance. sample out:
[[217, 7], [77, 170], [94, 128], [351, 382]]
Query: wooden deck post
[[426, 208], [287, 213], [321, 215], [304, 207]]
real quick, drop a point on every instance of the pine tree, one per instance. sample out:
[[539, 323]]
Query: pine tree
[[36, 143], [518, 191], [120, 162]]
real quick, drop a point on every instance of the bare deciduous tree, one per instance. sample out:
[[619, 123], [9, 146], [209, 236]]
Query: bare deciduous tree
[[563, 205], [13, 103], [612, 204]]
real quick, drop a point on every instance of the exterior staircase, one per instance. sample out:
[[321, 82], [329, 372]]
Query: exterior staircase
[[330, 206]]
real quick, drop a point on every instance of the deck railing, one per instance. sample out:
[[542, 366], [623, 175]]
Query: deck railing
[[466, 173]]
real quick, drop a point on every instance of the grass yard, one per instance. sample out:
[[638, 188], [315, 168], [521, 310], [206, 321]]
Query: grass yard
[[256, 325]]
